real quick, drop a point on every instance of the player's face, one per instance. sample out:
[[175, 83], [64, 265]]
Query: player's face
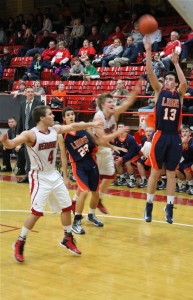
[[170, 83], [49, 118], [69, 117], [109, 106]]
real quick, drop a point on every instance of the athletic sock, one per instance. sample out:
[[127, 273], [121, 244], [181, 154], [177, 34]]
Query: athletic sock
[[170, 199], [150, 198]]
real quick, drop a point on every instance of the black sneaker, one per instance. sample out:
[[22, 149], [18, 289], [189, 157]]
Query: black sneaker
[[183, 188], [120, 182], [143, 183], [190, 190], [6, 169], [69, 243], [92, 218], [77, 228], [161, 185], [131, 183], [169, 213], [148, 212]]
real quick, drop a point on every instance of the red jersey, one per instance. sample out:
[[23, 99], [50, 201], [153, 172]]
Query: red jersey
[[171, 46]]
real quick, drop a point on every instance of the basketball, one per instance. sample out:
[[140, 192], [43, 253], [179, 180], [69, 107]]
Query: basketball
[[147, 24]]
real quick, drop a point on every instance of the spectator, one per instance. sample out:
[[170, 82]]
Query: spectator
[[91, 19], [95, 39], [86, 52], [130, 24], [6, 154], [188, 107], [35, 68], [173, 45], [120, 91], [117, 34], [47, 24], [137, 36], [155, 37], [66, 38], [77, 34], [90, 71], [41, 46], [3, 36], [19, 39], [58, 96], [59, 23], [20, 91], [49, 53], [5, 58], [28, 43], [187, 46], [158, 66], [111, 52], [129, 54], [38, 89], [106, 28], [102, 10], [76, 71], [61, 59]]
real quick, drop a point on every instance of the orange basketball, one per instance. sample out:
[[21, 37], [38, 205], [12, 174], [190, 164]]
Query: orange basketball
[[147, 24]]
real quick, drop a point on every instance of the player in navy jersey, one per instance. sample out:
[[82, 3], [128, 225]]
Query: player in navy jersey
[[45, 180], [82, 149], [128, 142], [184, 171], [166, 146]]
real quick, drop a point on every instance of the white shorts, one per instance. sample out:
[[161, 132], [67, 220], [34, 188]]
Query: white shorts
[[48, 187], [105, 161]]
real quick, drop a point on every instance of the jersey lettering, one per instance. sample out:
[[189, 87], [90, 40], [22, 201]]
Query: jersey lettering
[[51, 157]]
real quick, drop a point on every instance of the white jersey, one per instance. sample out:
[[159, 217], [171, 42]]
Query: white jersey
[[109, 127], [43, 153]]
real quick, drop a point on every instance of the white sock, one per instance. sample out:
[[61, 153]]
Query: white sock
[[122, 176], [170, 199], [150, 198], [68, 228], [91, 211], [24, 233], [75, 198], [143, 178], [131, 176]]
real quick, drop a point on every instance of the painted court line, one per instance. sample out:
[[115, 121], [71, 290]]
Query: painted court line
[[105, 216]]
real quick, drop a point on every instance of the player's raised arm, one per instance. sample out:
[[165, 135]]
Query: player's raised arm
[[26, 137], [151, 75], [181, 77], [129, 100], [76, 126]]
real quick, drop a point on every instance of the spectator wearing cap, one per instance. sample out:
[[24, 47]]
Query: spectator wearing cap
[[66, 38]]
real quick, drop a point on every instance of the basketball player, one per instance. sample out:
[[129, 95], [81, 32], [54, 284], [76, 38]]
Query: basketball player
[[166, 144], [41, 142], [82, 148], [108, 113]]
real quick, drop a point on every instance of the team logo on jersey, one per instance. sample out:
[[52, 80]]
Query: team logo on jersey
[[49, 145], [79, 142], [170, 102]]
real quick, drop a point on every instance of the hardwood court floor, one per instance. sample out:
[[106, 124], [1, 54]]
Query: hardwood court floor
[[127, 259]]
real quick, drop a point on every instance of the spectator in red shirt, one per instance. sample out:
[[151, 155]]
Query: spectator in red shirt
[[173, 45], [187, 46], [49, 53], [117, 34], [86, 52], [62, 56]]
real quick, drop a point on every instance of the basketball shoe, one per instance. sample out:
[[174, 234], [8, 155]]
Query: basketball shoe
[[148, 212], [18, 250], [92, 218], [169, 213], [69, 243], [77, 225]]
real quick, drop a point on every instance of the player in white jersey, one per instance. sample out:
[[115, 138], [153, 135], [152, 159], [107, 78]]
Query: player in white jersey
[[109, 113], [41, 142]]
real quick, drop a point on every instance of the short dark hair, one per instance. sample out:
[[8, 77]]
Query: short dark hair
[[65, 110], [38, 112], [173, 74]]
